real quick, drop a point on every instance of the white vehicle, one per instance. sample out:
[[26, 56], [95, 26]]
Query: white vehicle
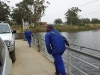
[[7, 35], [5, 61]]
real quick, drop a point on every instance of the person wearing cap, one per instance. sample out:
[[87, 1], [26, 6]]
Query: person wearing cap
[[56, 47], [28, 35]]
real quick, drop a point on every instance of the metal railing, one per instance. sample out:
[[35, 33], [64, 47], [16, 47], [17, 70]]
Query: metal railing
[[77, 62]]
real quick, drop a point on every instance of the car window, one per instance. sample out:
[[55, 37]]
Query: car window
[[4, 29]]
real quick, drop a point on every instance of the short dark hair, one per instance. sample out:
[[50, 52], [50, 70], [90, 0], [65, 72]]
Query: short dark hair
[[50, 26]]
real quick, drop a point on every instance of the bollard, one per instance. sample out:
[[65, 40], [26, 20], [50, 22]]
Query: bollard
[[38, 46]]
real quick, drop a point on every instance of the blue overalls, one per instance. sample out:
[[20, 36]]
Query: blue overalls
[[28, 35], [56, 46]]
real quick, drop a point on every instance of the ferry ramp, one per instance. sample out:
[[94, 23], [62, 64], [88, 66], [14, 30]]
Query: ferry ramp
[[30, 62]]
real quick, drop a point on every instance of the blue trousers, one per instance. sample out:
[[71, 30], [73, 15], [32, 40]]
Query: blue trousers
[[29, 41], [59, 65]]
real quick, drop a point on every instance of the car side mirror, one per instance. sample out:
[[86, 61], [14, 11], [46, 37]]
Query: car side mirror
[[14, 31]]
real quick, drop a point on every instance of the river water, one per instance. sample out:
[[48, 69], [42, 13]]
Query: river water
[[89, 39]]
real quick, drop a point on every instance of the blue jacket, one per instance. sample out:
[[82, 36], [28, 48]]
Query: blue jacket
[[28, 34], [54, 43]]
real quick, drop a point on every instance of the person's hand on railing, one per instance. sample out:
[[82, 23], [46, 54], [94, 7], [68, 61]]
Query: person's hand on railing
[[68, 45]]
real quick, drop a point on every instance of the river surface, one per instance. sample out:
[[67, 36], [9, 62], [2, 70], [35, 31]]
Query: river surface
[[89, 39]]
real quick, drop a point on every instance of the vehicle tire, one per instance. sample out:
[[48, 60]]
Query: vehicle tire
[[12, 56]]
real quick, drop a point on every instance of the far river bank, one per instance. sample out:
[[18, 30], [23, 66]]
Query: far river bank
[[61, 28]]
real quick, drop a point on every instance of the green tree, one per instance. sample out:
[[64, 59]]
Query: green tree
[[72, 16], [29, 10], [21, 12], [39, 9], [84, 21], [4, 11], [16, 15], [58, 21], [95, 21]]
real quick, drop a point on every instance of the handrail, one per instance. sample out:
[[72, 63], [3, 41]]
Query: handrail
[[85, 47], [78, 50], [75, 50], [81, 47], [70, 50], [85, 62]]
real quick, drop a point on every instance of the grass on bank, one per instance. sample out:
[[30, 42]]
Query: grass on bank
[[61, 28]]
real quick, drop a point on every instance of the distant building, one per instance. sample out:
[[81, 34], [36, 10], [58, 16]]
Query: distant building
[[43, 23]]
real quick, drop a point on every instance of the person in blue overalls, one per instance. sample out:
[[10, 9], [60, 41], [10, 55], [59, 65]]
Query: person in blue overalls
[[56, 47], [28, 35]]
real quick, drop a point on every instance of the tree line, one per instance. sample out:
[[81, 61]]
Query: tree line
[[33, 10], [72, 18]]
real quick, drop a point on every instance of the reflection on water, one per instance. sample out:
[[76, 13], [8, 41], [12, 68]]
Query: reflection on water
[[89, 39]]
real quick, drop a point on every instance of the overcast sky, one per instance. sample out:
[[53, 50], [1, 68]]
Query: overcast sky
[[58, 8]]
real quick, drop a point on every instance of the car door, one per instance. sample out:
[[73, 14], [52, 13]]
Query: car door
[[5, 61]]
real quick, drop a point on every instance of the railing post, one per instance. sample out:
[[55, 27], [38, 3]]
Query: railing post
[[32, 40], [99, 70], [38, 45], [69, 59], [35, 41]]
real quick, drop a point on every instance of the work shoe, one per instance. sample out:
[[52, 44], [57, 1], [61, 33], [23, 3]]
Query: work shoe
[[29, 45], [56, 73]]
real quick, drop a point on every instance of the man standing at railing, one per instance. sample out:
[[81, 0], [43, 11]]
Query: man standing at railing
[[55, 46]]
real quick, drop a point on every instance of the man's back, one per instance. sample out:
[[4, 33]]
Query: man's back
[[28, 33], [56, 42]]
